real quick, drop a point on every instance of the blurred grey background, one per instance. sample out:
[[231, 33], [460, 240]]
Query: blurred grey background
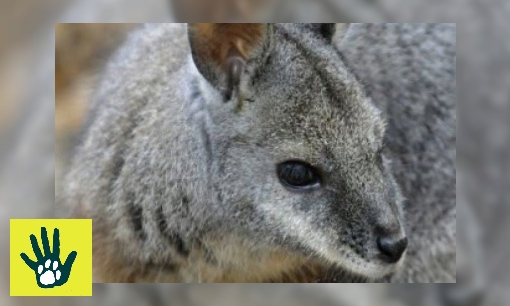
[[47, 76]]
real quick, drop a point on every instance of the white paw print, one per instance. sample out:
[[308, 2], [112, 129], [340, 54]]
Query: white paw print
[[50, 275]]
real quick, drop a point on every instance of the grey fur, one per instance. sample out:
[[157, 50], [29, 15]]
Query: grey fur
[[409, 71], [177, 180]]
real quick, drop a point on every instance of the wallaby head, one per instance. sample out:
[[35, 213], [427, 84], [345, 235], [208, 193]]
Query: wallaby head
[[296, 146]]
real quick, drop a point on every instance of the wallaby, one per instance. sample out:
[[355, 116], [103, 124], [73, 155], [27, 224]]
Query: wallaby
[[259, 153]]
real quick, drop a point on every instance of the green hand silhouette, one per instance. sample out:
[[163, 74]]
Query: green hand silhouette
[[49, 272]]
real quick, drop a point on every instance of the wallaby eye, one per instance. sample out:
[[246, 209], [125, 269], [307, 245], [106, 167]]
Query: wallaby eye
[[298, 175]]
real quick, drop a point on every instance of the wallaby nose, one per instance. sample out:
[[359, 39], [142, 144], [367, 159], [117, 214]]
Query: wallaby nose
[[391, 247]]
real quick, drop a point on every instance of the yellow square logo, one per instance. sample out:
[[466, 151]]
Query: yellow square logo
[[51, 257]]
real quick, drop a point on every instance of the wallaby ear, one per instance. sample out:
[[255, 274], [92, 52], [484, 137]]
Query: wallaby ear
[[221, 51], [340, 31], [329, 31]]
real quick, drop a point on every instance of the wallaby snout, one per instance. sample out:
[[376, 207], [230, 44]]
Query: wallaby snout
[[391, 240]]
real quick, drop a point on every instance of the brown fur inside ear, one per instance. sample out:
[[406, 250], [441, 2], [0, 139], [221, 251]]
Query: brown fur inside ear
[[219, 42]]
